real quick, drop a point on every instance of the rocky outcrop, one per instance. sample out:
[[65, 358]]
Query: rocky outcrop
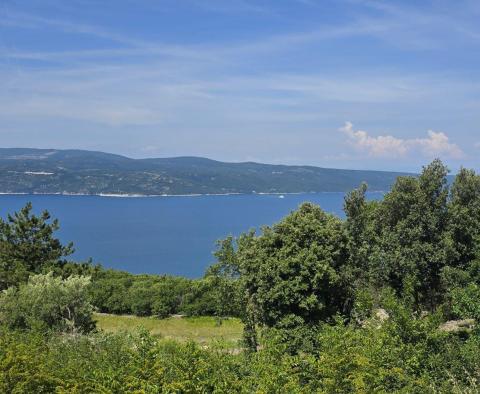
[[458, 326]]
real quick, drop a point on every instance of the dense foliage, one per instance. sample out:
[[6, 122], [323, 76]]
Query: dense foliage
[[386, 300], [28, 245], [421, 242], [403, 355], [153, 295], [47, 302]]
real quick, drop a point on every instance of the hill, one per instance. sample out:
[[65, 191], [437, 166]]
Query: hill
[[86, 172]]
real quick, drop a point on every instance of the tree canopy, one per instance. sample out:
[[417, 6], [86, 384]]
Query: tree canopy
[[28, 245], [48, 303], [420, 241]]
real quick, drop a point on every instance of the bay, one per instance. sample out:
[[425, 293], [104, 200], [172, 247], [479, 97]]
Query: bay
[[162, 235]]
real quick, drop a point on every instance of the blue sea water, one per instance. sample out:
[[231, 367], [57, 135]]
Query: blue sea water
[[162, 235]]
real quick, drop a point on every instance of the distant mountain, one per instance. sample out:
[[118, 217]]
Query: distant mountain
[[85, 172]]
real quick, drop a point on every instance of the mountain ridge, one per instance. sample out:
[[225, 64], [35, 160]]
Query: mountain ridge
[[74, 171]]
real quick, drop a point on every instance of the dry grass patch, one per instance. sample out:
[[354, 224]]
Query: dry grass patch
[[200, 329]]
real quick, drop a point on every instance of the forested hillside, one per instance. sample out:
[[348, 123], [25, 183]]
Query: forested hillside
[[387, 300], [85, 172]]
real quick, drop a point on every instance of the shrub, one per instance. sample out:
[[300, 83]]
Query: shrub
[[466, 302], [48, 302]]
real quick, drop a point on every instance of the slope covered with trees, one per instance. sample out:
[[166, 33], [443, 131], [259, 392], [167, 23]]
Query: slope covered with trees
[[85, 172], [387, 300]]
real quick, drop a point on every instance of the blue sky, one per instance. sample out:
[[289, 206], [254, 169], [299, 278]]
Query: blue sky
[[347, 84]]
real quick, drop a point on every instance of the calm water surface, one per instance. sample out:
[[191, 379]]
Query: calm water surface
[[162, 235]]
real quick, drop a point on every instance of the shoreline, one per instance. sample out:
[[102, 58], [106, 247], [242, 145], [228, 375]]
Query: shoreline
[[134, 195]]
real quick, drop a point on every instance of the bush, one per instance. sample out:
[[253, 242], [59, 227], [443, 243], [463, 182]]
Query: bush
[[348, 360], [465, 302], [48, 302]]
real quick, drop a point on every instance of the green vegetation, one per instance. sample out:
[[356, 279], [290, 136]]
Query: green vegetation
[[48, 302], [76, 171], [403, 355], [419, 243], [203, 329], [27, 246], [387, 300], [154, 295]]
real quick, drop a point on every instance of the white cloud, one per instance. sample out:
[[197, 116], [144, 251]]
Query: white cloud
[[375, 146], [437, 144]]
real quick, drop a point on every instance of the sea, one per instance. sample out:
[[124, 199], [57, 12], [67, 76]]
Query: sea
[[173, 235]]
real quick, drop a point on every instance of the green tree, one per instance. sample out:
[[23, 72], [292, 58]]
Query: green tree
[[412, 226], [464, 218], [109, 291], [141, 296], [224, 277], [362, 237], [292, 274], [48, 302], [28, 245], [169, 295]]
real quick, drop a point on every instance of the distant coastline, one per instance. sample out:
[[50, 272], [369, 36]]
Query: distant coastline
[[77, 172], [117, 195]]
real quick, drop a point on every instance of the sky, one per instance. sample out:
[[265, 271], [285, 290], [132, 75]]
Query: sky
[[387, 85]]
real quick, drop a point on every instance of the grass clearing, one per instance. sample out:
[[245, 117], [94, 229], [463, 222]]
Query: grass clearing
[[200, 329]]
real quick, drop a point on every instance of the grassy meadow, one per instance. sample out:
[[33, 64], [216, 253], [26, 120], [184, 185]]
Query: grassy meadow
[[199, 329]]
